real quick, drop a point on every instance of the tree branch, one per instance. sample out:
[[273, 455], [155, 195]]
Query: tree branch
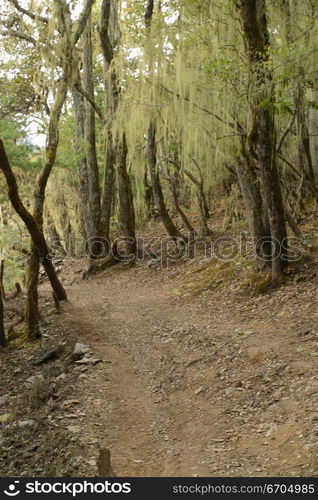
[[199, 169], [18, 34], [86, 96], [82, 20], [177, 165], [149, 12], [294, 169], [35, 17], [286, 132], [106, 44]]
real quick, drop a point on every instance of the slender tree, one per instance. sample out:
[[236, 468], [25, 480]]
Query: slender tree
[[3, 338], [126, 202], [111, 104], [156, 184], [71, 37], [35, 231]]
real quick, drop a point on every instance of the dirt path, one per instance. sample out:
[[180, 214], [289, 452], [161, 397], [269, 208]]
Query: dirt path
[[190, 388]]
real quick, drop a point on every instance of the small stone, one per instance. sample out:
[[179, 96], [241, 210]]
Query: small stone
[[61, 377], [88, 361], [26, 423], [34, 379], [74, 428], [199, 390], [80, 349], [272, 430], [69, 402]]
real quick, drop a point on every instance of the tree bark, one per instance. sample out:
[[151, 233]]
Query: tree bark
[[1, 279], [108, 186], [251, 194], [126, 203], [3, 338], [156, 185], [53, 236], [82, 174], [111, 102], [36, 233], [71, 37], [185, 221], [148, 194], [201, 197], [149, 12], [32, 316], [262, 133], [90, 133], [305, 163]]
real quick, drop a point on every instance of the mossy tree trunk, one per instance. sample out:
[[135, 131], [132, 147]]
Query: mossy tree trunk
[[32, 313], [40, 250], [111, 86], [94, 205], [148, 194], [3, 338], [261, 137], [71, 37], [126, 203], [250, 189]]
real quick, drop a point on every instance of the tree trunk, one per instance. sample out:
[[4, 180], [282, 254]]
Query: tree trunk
[[83, 187], [313, 123], [39, 197], [202, 201], [1, 279], [90, 134], [111, 102], [70, 35], [53, 236], [149, 12], [33, 228], [185, 221], [108, 188], [262, 134], [305, 163], [156, 185], [126, 203], [201, 193], [3, 338], [32, 316], [253, 203], [148, 195]]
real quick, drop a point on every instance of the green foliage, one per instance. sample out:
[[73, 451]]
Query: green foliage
[[14, 135]]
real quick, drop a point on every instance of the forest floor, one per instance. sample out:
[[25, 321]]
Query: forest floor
[[190, 375]]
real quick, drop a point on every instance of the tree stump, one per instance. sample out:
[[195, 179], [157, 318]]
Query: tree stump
[[103, 463]]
